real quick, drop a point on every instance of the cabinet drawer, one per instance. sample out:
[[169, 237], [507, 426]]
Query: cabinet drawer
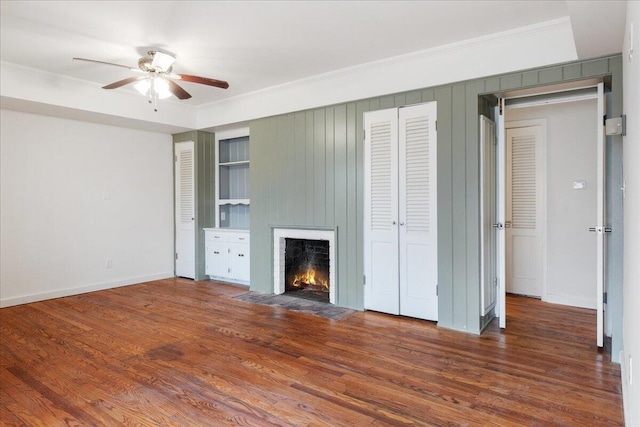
[[217, 237], [239, 238]]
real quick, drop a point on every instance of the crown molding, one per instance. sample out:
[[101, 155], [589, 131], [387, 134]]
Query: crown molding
[[506, 51]]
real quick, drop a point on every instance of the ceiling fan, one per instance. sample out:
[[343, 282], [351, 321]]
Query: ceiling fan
[[158, 80]]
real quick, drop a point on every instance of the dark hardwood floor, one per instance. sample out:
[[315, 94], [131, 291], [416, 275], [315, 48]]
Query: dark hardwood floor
[[183, 353]]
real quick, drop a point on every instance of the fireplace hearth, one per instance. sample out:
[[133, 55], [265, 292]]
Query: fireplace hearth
[[307, 269]]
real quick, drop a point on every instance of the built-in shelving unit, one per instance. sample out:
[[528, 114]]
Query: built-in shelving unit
[[232, 178]]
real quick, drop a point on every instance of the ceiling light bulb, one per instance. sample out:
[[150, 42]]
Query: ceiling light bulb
[[161, 87], [143, 86]]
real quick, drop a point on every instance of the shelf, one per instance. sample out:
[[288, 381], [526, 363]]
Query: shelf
[[233, 202], [238, 163]]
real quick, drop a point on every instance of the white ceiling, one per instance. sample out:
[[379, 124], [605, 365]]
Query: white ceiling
[[257, 45]]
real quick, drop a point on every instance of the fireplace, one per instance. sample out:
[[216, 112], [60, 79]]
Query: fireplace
[[306, 269], [304, 263]]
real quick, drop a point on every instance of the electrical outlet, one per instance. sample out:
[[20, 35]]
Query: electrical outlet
[[108, 263]]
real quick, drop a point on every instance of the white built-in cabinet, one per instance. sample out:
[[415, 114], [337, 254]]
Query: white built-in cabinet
[[227, 246], [401, 226], [232, 179], [227, 255]]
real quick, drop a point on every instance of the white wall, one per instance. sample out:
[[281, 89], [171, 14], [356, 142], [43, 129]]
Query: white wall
[[631, 147], [571, 156], [74, 194]]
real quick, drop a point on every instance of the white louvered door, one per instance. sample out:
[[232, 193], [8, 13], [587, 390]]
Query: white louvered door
[[401, 266], [381, 211], [418, 212], [523, 211], [185, 210]]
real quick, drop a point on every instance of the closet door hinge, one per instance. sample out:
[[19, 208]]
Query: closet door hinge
[[436, 290], [364, 134], [175, 157], [364, 279], [176, 255]]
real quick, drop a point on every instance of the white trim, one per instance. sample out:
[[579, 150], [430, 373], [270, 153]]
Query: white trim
[[624, 379], [281, 233], [25, 299], [501, 309]]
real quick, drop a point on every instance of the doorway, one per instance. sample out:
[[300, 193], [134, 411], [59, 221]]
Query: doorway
[[550, 250]]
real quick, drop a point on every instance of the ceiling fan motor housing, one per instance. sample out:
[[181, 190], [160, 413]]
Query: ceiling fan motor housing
[[146, 64]]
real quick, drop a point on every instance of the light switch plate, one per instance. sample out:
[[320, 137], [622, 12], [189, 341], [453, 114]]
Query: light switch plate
[[579, 185]]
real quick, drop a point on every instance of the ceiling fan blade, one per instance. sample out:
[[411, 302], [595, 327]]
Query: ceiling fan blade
[[202, 80], [107, 63], [177, 90], [121, 83]]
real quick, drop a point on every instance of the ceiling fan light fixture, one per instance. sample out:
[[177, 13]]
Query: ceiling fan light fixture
[[143, 86], [161, 61], [161, 88]]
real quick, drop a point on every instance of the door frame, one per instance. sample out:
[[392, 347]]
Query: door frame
[[541, 96]]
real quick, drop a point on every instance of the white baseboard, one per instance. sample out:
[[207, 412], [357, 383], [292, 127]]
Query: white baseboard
[[25, 299], [570, 300]]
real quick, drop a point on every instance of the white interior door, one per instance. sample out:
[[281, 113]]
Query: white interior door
[[524, 210], [600, 220], [381, 211], [488, 216], [501, 307], [185, 210], [418, 227]]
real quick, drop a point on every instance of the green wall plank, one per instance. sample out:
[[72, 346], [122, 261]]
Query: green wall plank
[[511, 81], [571, 72], [414, 97], [529, 78], [319, 168], [445, 208], [597, 67], [309, 171], [340, 154], [472, 91], [329, 185], [352, 200], [459, 181], [361, 108], [550, 75]]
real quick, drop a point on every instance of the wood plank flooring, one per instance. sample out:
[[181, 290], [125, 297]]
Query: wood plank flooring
[[182, 353]]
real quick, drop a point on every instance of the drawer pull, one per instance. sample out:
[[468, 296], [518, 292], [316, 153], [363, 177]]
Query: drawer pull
[[216, 252], [240, 254]]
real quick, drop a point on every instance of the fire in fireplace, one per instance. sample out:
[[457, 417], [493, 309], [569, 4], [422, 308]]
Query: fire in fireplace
[[307, 269]]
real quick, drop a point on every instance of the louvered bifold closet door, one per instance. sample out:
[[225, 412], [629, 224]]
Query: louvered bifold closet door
[[185, 209], [381, 211], [418, 231]]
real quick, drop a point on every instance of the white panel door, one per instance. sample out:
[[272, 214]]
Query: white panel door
[[381, 211], [488, 216], [185, 210], [523, 211], [418, 231]]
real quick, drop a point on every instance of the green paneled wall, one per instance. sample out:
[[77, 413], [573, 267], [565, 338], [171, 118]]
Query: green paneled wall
[[307, 170], [204, 179]]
